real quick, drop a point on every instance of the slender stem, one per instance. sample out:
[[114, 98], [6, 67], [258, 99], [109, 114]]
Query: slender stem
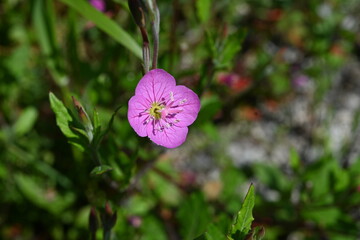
[[172, 34], [156, 47], [146, 49], [155, 32], [107, 234], [95, 155], [93, 235]]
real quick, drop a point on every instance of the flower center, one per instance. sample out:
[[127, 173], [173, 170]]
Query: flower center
[[155, 110]]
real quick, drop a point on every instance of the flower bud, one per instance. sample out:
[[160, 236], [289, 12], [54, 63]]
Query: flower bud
[[137, 9], [108, 218], [93, 221], [84, 117]]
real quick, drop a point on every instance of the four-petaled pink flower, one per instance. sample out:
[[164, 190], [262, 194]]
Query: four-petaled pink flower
[[161, 110]]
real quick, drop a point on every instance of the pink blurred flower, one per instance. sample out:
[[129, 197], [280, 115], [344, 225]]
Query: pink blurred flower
[[234, 81], [161, 110], [98, 4]]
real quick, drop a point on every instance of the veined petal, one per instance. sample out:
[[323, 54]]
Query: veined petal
[[155, 85], [188, 104], [171, 137], [137, 114]]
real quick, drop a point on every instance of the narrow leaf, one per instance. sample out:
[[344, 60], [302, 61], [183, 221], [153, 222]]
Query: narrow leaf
[[26, 121], [203, 8], [105, 24]]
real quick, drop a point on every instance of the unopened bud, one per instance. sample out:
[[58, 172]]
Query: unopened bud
[[84, 117], [137, 9], [93, 221], [108, 218]]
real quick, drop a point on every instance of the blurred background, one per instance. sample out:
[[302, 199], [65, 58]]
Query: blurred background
[[279, 83]]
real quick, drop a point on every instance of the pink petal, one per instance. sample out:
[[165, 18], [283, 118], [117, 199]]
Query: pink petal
[[170, 137], [155, 85], [137, 115], [190, 108]]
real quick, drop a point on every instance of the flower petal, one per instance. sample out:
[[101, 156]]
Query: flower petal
[[189, 102], [155, 85], [137, 114], [170, 137]]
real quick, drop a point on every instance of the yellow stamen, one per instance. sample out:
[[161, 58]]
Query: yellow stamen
[[155, 110]]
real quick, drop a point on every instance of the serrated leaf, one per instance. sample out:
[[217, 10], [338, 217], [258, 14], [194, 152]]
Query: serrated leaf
[[63, 118], [244, 218], [100, 170], [105, 24]]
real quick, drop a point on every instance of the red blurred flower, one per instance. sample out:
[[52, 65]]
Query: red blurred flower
[[234, 81]]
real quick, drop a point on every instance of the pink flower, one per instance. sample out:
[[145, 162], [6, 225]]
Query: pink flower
[[161, 110]]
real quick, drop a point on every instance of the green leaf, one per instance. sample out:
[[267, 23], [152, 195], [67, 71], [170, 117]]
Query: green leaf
[[231, 48], [324, 216], [63, 118], [272, 177], [26, 121], [203, 8], [106, 24], [294, 159], [100, 170], [165, 190], [244, 218], [212, 233], [319, 175], [194, 216], [209, 108], [96, 120], [46, 198], [153, 229], [44, 25], [98, 135]]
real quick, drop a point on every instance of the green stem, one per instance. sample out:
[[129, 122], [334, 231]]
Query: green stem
[[107, 234], [155, 31]]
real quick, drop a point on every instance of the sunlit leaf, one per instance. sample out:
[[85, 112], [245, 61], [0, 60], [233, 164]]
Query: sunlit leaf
[[244, 218], [100, 170], [203, 8], [63, 118]]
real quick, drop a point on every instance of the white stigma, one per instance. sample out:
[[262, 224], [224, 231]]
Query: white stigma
[[171, 96]]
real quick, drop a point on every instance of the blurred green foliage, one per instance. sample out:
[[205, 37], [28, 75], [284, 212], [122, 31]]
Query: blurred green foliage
[[68, 48]]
